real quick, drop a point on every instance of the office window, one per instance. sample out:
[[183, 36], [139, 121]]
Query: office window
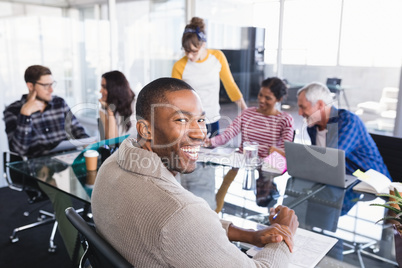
[[266, 15], [149, 39], [371, 33], [311, 32]]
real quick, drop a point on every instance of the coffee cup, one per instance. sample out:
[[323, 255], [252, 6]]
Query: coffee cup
[[91, 176], [91, 159]]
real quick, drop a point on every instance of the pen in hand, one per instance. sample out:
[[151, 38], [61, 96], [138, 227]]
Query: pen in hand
[[276, 215]]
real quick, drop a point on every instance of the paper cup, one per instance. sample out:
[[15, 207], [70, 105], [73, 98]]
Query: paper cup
[[91, 159], [91, 176]]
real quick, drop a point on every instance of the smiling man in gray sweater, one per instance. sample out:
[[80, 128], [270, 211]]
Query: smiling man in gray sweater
[[141, 209]]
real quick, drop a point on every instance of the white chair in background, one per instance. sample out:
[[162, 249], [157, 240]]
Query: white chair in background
[[386, 107]]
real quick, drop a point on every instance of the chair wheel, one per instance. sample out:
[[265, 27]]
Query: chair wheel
[[14, 239], [52, 249]]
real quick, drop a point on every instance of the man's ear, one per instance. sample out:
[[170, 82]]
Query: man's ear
[[321, 104], [30, 86], [144, 129]]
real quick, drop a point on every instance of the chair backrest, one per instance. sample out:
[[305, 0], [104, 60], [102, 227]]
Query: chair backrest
[[9, 157], [390, 149], [333, 84], [17, 181], [99, 252]]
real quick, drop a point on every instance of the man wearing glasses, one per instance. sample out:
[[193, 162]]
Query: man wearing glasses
[[40, 121]]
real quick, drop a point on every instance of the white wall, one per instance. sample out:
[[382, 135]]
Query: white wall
[[362, 83]]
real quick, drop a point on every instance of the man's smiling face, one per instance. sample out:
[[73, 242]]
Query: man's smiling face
[[179, 130]]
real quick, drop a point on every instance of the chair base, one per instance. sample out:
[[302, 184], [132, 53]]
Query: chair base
[[359, 249], [44, 218]]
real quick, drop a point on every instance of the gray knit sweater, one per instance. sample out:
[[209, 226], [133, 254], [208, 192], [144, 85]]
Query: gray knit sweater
[[141, 209]]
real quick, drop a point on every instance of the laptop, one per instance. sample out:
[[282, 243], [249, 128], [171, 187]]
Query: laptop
[[318, 164]]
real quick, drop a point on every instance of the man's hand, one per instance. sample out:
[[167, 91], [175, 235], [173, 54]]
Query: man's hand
[[273, 234], [32, 105], [284, 216], [282, 228]]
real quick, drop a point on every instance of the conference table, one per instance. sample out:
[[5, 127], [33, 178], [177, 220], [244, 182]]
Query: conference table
[[340, 213]]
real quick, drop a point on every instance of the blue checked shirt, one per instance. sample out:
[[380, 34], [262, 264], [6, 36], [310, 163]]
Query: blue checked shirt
[[347, 132], [37, 134]]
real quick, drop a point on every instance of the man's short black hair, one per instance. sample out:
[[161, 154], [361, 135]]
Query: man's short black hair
[[34, 72], [154, 93]]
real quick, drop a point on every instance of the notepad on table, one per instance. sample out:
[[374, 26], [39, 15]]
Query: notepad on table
[[274, 163], [374, 182]]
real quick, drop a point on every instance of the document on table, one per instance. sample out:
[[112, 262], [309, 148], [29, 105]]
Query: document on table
[[308, 250], [222, 156], [67, 158], [73, 144], [309, 247]]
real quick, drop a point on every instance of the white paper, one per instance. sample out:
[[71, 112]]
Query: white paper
[[67, 158], [73, 144], [308, 250], [221, 157]]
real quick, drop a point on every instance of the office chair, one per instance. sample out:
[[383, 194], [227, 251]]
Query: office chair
[[390, 149], [334, 85], [97, 251], [18, 182]]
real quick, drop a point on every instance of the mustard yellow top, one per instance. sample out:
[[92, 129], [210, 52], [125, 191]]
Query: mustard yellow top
[[204, 76]]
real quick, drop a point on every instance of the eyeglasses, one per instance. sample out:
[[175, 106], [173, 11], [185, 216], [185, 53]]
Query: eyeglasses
[[47, 86]]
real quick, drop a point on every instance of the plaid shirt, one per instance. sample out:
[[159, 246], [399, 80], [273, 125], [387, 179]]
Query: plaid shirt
[[39, 133], [347, 132]]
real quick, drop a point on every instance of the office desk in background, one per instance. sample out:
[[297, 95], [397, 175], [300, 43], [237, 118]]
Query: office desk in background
[[324, 209]]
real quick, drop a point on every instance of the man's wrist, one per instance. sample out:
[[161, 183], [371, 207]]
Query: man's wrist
[[25, 112]]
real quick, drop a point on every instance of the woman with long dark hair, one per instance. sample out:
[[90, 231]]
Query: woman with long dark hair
[[117, 113]]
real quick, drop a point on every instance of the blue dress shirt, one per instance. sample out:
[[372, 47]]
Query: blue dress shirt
[[347, 132]]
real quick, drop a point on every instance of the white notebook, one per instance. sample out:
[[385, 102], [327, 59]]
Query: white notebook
[[309, 247], [375, 182]]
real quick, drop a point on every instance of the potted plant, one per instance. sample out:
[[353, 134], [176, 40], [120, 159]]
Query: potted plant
[[394, 205]]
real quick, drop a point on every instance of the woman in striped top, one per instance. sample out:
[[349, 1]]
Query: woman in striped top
[[263, 124]]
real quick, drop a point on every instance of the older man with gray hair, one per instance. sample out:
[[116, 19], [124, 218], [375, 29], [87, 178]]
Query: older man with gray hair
[[338, 128]]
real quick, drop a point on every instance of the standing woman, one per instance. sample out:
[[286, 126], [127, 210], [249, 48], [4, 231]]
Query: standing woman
[[117, 113], [203, 69]]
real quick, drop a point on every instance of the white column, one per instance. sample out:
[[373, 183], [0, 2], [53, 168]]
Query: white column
[[113, 35], [190, 10], [279, 70], [398, 119]]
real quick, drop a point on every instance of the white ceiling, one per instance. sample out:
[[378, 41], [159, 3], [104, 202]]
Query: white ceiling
[[59, 3]]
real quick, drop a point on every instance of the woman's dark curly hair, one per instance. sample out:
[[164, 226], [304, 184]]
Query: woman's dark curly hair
[[276, 85], [120, 95]]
